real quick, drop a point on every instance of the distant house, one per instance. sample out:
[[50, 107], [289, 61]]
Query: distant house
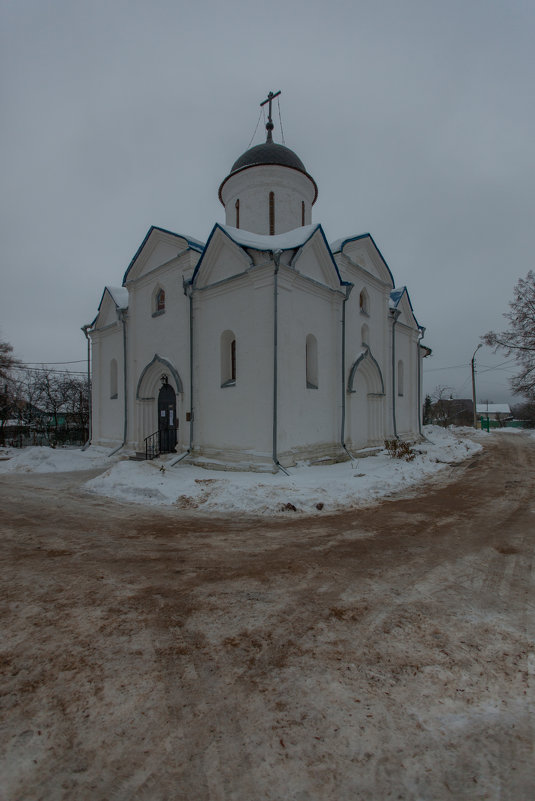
[[499, 413]]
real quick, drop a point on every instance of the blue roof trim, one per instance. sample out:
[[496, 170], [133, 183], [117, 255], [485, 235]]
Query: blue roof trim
[[396, 296], [344, 242], [268, 249], [194, 244]]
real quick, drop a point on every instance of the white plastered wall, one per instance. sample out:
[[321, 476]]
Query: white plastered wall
[[252, 187]]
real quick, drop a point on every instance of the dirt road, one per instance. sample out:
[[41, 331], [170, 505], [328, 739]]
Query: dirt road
[[384, 653]]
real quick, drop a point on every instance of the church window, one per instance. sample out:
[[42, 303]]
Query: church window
[[311, 358], [365, 335], [228, 359], [364, 302], [302, 212], [272, 213], [400, 377], [237, 205], [113, 379], [158, 302]]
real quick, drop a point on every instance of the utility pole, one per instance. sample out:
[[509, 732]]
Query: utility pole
[[474, 384]]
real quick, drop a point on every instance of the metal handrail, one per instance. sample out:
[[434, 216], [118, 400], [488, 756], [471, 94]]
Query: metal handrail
[[152, 445]]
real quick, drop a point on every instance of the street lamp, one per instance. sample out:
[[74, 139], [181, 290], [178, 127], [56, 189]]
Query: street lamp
[[474, 383]]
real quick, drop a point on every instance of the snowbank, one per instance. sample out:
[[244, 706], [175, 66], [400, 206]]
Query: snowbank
[[51, 460], [311, 490]]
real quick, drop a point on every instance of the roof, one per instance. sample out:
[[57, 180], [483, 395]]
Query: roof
[[493, 408], [119, 295], [338, 247], [269, 153], [194, 244], [291, 240]]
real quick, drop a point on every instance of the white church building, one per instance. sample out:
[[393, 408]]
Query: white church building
[[262, 347]]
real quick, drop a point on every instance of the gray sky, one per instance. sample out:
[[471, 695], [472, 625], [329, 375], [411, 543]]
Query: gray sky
[[416, 119]]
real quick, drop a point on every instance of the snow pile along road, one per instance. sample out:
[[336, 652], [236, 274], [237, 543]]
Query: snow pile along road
[[310, 490], [36, 459]]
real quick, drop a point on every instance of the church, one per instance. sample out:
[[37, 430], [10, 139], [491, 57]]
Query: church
[[262, 347]]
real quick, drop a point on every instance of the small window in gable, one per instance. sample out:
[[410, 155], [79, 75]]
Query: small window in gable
[[311, 359], [364, 302], [400, 377], [113, 379], [228, 359]]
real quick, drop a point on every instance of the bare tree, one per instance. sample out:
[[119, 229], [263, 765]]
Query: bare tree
[[519, 339], [7, 360]]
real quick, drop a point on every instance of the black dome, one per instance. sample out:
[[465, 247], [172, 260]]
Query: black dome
[[269, 153]]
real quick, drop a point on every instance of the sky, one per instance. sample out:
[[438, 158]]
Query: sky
[[415, 118]]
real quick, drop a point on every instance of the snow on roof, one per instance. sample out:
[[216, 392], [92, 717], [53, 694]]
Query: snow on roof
[[119, 295], [396, 295], [291, 239], [493, 408]]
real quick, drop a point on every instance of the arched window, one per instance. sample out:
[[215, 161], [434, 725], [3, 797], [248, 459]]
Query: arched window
[[400, 377], [302, 212], [237, 206], [113, 379], [311, 358], [228, 359], [272, 213], [365, 335], [158, 302], [364, 302]]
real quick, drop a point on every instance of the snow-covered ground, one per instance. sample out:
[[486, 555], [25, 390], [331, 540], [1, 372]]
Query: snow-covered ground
[[310, 490]]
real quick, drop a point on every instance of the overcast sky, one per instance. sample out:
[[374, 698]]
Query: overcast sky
[[416, 120]]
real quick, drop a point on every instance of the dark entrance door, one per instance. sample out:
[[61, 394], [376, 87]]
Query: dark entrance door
[[167, 421]]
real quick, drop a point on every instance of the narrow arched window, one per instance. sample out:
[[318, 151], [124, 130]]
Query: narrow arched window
[[113, 379], [365, 335], [227, 348], [364, 303], [400, 377], [302, 212], [272, 213], [311, 359], [237, 206], [160, 300]]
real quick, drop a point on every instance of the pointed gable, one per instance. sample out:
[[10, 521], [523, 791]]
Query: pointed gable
[[311, 254], [112, 301], [400, 300], [362, 253], [158, 248]]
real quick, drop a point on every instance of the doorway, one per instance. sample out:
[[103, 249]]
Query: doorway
[[167, 419]]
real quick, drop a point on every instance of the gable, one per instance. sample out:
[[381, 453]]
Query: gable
[[362, 253], [222, 259], [400, 300], [108, 308], [159, 247], [315, 261]]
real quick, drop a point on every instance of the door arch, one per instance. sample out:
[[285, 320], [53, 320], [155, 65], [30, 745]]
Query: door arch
[[167, 419]]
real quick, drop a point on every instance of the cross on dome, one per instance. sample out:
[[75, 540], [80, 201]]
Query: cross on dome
[[269, 124]]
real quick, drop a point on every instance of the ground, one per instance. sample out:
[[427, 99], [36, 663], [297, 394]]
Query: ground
[[379, 653]]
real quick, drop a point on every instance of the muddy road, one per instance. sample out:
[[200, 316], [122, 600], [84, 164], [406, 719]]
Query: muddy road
[[384, 653]]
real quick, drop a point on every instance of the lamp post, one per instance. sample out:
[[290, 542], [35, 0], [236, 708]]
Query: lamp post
[[474, 383]]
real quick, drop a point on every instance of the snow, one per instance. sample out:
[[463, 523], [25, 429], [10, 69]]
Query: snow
[[37, 459], [119, 295], [493, 408], [287, 241], [340, 486]]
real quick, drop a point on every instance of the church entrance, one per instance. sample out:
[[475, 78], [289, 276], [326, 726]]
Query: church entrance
[[167, 419]]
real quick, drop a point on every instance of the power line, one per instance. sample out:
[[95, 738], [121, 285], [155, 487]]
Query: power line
[[48, 370]]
